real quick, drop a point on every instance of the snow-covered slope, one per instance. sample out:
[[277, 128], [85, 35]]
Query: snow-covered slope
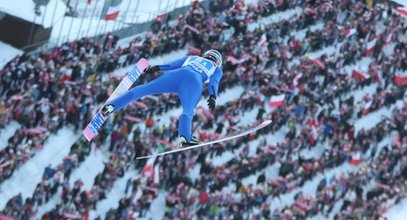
[[7, 53]]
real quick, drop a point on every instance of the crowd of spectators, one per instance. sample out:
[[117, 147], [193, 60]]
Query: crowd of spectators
[[64, 86]]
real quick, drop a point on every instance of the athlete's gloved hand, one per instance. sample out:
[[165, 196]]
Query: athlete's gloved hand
[[212, 102], [151, 69]]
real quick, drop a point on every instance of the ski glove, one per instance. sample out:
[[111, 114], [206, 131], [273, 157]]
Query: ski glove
[[151, 69], [212, 102]]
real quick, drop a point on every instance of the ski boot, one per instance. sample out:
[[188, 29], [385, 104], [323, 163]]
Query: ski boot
[[107, 110], [194, 141]]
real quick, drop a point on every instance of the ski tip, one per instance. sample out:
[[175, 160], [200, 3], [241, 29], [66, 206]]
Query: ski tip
[[266, 122], [144, 157], [142, 64]]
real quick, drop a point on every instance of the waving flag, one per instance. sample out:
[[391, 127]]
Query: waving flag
[[388, 40], [148, 170], [277, 100], [370, 47], [349, 32], [113, 10], [402, 11], [263, 40], [356, 159], [360, 75], [401, 78], [297, 79]]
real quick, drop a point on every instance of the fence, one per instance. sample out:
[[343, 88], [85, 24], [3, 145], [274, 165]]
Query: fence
[[86, 22]]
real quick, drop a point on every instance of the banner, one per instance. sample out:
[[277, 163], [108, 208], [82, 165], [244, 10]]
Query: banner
[[370, 47], [277, 100], [401, 78], [360, 75], [113, 10]]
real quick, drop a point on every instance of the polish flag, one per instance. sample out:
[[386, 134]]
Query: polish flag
[[263, 40], [297, 78], [160, 16], [370, 47], [72, 216], [319, 63], [356, 159], [401, 78], [234, 60], [360, 75], [366, 108], [148, 168], [314, 135], [277, 100], [402, 11], [349, 32], [113, 10], [388, 40]]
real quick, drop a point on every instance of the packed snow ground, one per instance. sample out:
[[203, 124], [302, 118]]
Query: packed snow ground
[[25, 178], [7, 53], [25, 10], [7, 132]]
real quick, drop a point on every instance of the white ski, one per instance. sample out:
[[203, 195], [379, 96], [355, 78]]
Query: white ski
[[260, 126]]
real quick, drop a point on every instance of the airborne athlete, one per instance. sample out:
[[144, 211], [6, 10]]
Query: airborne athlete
[[185, 77]]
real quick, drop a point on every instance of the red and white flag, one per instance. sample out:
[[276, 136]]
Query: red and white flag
[[235, 61], [277, 100], [360, 75], [263, 40], [349, 32], [319, 63], [402, 11], [72, 216], [401, 78], [366, 108], [356, 159], [148, 170], [296, 79], [113, 10], [370, 47], [388, 39]]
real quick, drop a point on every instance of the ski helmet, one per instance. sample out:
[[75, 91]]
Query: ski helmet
[[213, 55]]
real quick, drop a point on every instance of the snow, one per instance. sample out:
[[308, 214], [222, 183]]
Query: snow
[[92, 166], [24, 9], [29, 174], [279, 16], [398, 212], [153, 213], [114, 195], [401, 2], [7, 132], [25, 178], [7, 53]]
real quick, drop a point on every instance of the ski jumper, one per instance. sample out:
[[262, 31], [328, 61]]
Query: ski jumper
[[185, 78]]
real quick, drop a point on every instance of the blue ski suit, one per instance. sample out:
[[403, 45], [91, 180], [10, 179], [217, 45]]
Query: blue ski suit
[[185, 78]]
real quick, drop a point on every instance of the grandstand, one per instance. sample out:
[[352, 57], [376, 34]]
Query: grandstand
[[337, 147]]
